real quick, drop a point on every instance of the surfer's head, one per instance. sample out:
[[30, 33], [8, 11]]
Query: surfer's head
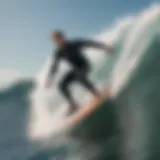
[[59, 38]]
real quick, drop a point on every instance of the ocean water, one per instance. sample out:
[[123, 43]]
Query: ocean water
[[126, 126]]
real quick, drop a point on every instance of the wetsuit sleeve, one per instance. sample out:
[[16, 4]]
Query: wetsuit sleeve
[[91, 43], [55, 64]]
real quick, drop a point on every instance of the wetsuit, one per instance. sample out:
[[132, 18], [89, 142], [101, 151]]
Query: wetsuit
[[72, 53]]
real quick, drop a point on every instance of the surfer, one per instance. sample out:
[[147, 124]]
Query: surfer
[[70, 51]]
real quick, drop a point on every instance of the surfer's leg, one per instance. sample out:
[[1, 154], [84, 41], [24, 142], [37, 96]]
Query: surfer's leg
[[90, 86], [84, 80], [65, 90]]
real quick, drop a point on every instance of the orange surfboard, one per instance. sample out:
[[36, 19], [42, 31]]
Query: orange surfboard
[[88, 109]]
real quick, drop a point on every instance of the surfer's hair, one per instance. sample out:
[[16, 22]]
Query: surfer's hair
[[58, 33]]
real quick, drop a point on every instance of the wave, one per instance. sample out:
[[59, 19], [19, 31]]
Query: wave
[[124, 127], [18, 90], [131, 40], [136, 41]]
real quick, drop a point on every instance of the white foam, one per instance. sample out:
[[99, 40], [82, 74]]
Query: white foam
[[135, 44]]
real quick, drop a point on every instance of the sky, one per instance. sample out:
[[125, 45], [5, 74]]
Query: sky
[[26, 26]]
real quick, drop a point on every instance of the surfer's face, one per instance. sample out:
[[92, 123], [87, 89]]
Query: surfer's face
[[59, 39]]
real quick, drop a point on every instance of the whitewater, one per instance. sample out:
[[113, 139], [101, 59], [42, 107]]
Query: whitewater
[[32, 125]]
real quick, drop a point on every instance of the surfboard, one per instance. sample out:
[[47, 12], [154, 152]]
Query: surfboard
[[88, 109]]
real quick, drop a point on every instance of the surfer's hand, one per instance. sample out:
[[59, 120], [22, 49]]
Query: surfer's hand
[[48, 83], [109, 49]]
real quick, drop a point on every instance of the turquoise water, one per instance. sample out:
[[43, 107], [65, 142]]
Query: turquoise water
[[125, 127]]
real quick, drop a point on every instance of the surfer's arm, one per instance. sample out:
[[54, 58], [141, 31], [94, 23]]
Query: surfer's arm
[[53, 70], [95, 44]]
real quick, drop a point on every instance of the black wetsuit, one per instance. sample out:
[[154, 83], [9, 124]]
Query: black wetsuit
[[72, 53]]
